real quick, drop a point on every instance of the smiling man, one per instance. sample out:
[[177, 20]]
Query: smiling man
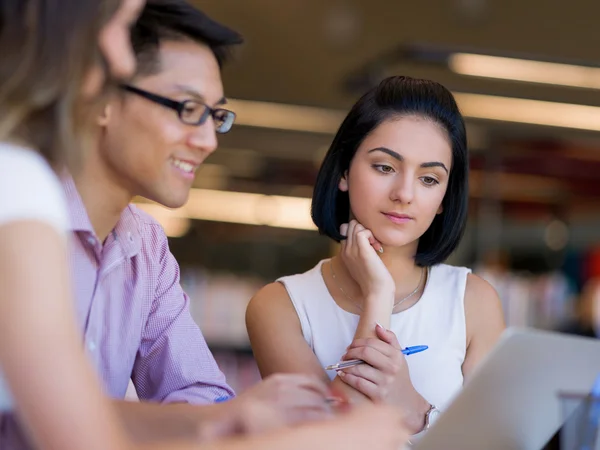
[[153, 134]]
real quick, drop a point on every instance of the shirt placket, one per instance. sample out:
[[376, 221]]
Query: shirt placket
[[109, 258]]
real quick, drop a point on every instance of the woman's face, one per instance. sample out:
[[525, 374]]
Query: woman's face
[[398, 178], [114, 42]]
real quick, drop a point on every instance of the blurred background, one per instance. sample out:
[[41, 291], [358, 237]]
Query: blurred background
[[524, 74]]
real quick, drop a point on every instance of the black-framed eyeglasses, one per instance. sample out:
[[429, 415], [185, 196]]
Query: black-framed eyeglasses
[[190, 112]]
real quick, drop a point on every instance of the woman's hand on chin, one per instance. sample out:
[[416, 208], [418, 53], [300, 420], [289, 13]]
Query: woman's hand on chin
[[360, 254]]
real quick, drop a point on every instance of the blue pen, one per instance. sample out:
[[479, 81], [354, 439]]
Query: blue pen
[[414, 349], [355, 362]]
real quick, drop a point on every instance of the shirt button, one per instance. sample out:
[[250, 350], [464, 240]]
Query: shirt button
[[129, 236], [92, 346], [91, 240]]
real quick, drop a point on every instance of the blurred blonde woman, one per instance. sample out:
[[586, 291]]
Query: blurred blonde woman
[[51, 70]]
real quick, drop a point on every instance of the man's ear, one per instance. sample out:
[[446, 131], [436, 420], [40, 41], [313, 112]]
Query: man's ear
[[343, 184], [104, 116]]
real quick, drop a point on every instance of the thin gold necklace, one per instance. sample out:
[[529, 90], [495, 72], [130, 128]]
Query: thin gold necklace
[[398, 303]]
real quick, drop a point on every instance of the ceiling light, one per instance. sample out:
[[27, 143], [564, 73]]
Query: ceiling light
[[476, 106], [535, 112], [238, 207], [531, 71], [286, 117]]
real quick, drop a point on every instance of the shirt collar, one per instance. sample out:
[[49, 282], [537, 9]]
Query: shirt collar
[[127, 231], [79, 219]]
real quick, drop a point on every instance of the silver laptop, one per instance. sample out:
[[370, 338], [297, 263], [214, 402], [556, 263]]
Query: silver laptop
[[511, 401]]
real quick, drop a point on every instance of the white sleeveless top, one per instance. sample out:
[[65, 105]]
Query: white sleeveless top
[[436, 320], [29, 190]]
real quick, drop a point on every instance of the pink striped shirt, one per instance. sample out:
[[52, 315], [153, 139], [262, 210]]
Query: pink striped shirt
[[134, 315]]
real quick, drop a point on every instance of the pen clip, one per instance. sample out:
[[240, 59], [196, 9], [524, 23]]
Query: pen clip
[[345, 364]]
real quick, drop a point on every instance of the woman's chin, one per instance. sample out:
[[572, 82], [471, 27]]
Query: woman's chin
[[394, 241], [392, 238]]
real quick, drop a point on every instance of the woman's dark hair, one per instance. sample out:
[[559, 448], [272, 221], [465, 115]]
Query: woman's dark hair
[[393, 98]]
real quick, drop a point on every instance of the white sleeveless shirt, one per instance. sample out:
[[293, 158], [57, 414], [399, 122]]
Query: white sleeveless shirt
[[436, 320]]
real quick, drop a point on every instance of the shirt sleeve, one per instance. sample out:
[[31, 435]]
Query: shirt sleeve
[[174, 363], [29, 189]]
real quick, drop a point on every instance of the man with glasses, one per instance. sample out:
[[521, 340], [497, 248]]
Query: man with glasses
[[153, 134]]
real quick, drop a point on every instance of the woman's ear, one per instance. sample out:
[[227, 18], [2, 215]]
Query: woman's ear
[[343, 184]]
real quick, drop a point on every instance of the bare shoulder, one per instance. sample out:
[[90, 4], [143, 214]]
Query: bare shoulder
[[271, 293], [272, 297], [481, 295], [271, 304], [483, 308]]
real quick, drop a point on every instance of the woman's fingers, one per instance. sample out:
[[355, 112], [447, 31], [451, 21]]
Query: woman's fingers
[[350, 235]]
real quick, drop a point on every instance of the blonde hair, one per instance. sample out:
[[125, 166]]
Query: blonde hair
[[47, 48]]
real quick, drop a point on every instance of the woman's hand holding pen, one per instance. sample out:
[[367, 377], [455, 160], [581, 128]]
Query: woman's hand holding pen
[[359, 254], [385, 376]]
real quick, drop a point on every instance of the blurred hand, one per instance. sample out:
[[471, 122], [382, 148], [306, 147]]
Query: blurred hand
[[366, 426], [279, 400]]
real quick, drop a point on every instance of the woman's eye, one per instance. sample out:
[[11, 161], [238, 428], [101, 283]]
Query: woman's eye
[[383, 168], [429, 181]]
